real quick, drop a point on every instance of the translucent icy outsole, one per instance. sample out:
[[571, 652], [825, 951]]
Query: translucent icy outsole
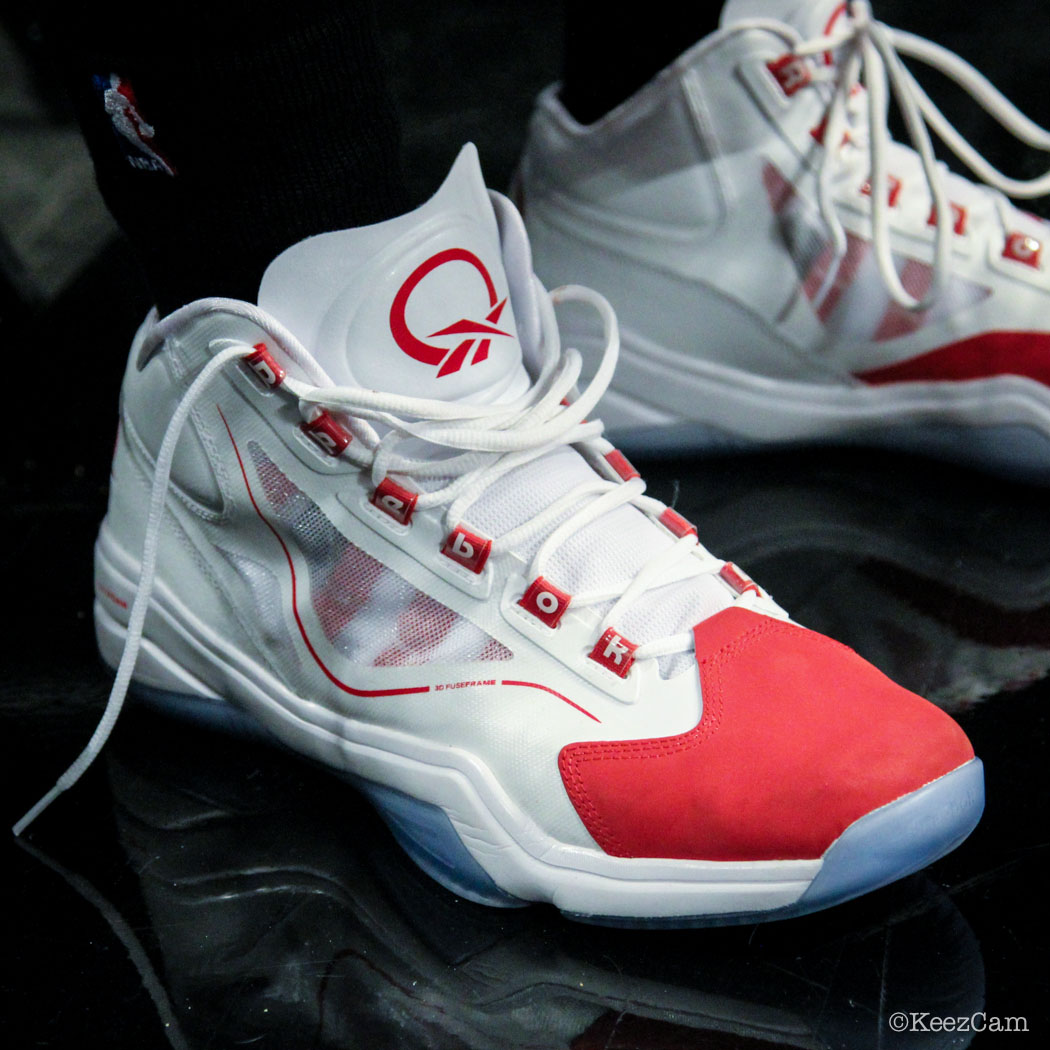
[[900, 838], [426, 834], [888, 844], [422, 830]]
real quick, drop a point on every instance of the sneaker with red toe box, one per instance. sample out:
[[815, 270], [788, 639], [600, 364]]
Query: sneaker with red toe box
[[395, 542], [767, 295]]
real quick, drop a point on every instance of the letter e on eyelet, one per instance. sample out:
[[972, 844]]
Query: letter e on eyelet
[[265, 367], [395, 500]]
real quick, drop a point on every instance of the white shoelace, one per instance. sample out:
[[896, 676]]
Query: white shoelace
[[493, 440], [870, 52], [488, 441]]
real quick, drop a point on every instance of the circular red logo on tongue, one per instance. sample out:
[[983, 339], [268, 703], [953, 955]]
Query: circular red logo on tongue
[[452, 358]]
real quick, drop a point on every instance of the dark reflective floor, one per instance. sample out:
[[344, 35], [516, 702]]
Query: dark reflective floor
[[202, 892]]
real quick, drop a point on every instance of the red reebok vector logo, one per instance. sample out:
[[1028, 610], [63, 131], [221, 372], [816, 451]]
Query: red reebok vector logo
[[479, 332]]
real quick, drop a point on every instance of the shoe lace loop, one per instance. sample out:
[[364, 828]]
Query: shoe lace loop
[[489, 441], [870, 52], [140, 605], [486, 441]]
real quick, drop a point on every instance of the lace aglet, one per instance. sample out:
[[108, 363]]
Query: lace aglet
[[36, 810]]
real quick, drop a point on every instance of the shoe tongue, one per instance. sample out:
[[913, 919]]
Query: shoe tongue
[[417, 305], [812, 18]]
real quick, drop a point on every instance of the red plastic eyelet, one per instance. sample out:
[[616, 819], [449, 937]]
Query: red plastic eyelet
[[467, 549], [738, 580], [325, 432], [893, 186], [265, 367], [791, 72], [621, 464], [1023, 248], [821, 128], [545, 601], [676, 524], [395, 500], [614, 652], [959, 217]]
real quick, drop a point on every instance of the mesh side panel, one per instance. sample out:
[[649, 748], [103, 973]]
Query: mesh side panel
[[369, 613], [267, 603], [525, 491], [346, 591], [277, 487], [426, 627], [673, 608], [675, 664], [603, 555], [367, 637], [607, 553]]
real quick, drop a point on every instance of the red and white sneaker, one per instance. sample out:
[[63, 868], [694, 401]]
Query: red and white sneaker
[[766, 294], [395, 541]]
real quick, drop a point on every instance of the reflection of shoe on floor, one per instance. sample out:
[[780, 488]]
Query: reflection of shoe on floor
[[944, 587], [726, 211], [282, 910], [459, 594]]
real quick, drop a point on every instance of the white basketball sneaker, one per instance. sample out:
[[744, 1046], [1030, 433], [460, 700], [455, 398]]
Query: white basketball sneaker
[[395, 542], [765, 293]]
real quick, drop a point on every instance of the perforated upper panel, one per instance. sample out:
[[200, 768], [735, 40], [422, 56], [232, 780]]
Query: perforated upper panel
[[368, 613]]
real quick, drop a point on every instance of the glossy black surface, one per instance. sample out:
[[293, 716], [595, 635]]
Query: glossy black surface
[[203, 892]]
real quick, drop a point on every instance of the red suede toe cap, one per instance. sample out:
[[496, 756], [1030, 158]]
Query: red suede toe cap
[[799, 738]]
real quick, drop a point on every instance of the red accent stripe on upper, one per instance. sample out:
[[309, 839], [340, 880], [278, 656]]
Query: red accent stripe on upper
[[112, 597], [835, 16], [1025, 354], [553, 692], [302, 629], [778, 189], [295, 605]]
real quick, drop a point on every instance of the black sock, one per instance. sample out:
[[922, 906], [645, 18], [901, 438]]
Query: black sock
[[609, 56], [267, 121]]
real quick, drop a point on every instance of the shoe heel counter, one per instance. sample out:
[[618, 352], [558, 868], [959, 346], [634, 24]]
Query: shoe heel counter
[[127, 507], [149, 397], [647, 165], [189, 597], [187, 591]]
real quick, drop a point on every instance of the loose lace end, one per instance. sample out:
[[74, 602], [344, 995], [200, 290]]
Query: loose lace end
[[37, 809]]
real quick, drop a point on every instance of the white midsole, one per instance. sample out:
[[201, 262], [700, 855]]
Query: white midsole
[[762, 408], [519, 857]]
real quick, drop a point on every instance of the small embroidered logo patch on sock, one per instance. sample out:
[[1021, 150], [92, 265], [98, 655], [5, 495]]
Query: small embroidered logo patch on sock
[[133, 134]]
